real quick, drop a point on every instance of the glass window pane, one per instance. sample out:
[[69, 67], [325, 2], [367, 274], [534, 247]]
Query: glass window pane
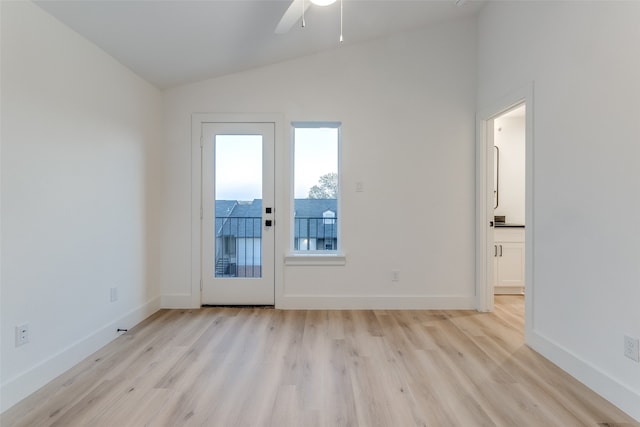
[[316, 188]]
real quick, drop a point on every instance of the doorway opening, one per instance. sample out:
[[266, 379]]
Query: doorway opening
[[509, 219], [509, 201], [504, 251]]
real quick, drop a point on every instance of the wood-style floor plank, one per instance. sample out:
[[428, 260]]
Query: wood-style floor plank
[[265, 367]]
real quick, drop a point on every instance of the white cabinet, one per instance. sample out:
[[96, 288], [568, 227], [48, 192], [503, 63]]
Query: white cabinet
[[508, 264]]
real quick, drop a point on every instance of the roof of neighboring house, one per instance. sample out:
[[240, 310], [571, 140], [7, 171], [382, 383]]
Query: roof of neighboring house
[[314, 208], [309, 221], [248, 209], [224, 207], [244, 219], [239, 218]]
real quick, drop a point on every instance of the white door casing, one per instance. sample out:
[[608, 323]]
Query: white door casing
[[194, 298]]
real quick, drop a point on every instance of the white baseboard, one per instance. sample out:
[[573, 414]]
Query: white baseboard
[[377, 302], [508, 290], [348, 302], [30, 381], [609, 388], [176, 301]]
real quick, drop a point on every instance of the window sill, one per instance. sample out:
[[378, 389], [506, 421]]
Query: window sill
[[314, 259]]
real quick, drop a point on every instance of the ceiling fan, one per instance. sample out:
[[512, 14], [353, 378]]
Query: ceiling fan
[[295, 12], [297, 9]]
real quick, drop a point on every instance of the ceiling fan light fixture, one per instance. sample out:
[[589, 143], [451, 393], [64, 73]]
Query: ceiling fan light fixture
[[323, 2]]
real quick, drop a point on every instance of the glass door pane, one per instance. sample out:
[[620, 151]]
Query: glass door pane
[[238, 206]]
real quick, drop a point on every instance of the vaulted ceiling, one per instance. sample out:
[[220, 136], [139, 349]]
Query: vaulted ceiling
[[170, 43]]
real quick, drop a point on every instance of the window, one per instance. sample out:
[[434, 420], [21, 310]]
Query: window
[[329, 217], [316, 187]]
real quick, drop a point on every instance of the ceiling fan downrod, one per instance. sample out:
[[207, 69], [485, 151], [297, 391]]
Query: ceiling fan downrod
[[325, 3], [341, 13], [303, 8]]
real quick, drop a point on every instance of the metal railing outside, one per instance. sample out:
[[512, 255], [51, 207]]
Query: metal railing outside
[[238, 247], [315, 233]]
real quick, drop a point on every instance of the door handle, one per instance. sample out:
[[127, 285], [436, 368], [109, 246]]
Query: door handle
[[495, 250], [268, 222], [490, 223], [500, 250]]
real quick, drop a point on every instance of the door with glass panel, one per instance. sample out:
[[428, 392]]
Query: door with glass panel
[[238, 213]]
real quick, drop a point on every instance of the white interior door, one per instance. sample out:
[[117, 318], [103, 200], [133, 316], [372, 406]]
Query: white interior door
[[237, 213]]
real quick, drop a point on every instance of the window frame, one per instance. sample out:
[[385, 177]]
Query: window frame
[[323, 256]]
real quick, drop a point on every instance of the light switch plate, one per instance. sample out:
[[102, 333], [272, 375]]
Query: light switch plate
[[632, 348]]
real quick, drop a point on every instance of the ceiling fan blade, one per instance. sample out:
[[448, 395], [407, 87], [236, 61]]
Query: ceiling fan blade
[[291, 16]]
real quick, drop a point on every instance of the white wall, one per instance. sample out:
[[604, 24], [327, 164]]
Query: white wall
[[79, 134], [509, 137], [407, 106], [79, 172], [583, 57]]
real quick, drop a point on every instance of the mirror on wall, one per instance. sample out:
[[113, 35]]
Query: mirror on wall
[[496, 172]]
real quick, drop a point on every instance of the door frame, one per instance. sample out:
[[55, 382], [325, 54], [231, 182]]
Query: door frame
[[484, 200], [197, 120]]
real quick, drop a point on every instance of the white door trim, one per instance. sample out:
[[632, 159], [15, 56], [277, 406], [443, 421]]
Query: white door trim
[[197, 120], [484, 200]]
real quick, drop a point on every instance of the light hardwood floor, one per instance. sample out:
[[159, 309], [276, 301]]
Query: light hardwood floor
[[265, 367]]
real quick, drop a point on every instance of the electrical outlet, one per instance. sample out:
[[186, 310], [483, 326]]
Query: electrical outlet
[[22, 334], [395, 276], [632, 348], [114, 294]]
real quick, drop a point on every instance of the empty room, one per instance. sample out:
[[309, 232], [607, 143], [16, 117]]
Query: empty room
[[319, 213]]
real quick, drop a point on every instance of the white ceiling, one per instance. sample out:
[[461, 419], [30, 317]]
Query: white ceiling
[[170, 43]]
